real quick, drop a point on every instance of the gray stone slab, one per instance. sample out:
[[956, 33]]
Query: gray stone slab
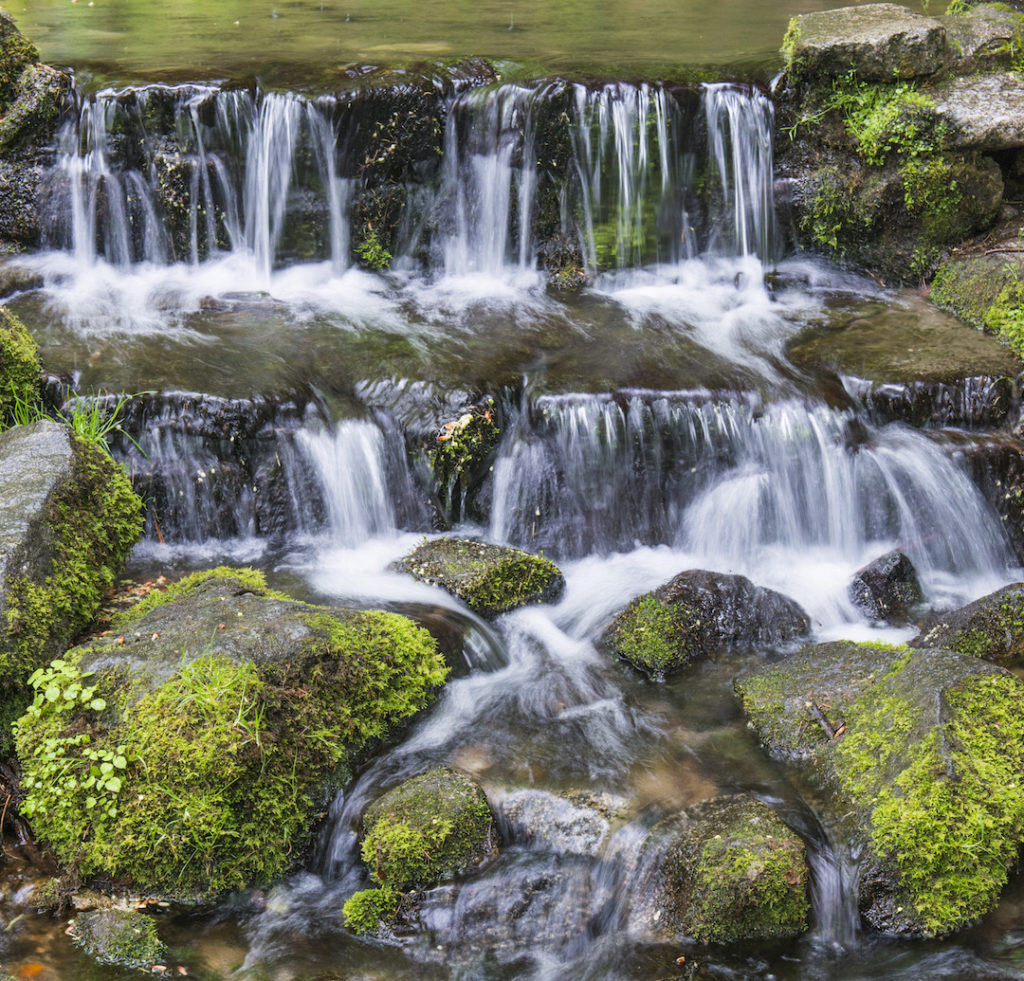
[[983, 112]]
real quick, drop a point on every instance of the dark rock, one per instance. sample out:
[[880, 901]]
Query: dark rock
[[111, 936], [697, 613], [991, 627], [878, 41], [433, 827], [227, 713], [489, 579], [926, 751], [725, 871], [887, 588], [16, 279]]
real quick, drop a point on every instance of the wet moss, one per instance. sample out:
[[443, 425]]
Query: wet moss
[[19, 366], [17, 52], [654, 636], [460, 455], [489, 579], [436, 826], [991, 628], [118, 937], [209, 780], [984, 291], [369, 911]]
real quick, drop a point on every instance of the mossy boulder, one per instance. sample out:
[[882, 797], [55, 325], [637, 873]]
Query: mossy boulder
[[68, 519], [725, 871], [696, 614], [118, 937], [991, 627], [17, 53], [433, 827], [925, 750], [985, 291], [42, 97], [19, 366], [187, 752], [489, 579]]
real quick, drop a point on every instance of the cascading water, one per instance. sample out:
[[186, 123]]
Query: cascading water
[[193, 199]]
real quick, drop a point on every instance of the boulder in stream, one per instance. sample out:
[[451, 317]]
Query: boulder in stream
[[726, 870], [119, 937], [435, 826], [887, 588], [68, 519], [991, 627], [925, 750], [187, 751], [489, 579], [697, 613]]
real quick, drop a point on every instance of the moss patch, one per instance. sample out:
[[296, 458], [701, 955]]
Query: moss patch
[[654, 636], [991, 627], [118, 937], [435, 826], [489, 579], [19, 366], [17, 52], [206, 777], [370, 911]]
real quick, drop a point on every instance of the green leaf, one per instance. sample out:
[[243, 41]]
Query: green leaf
[[120, 762], [113, 784], [52, 693], [98, 704], [90, 803]]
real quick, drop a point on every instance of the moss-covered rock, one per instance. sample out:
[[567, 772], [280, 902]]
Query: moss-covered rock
[[19, 366], [17, 52], [727, 870], [926, 751], [119, 937], [489, 579], [460, 456], [68, 520], [42, 96], [435, 826], [188, 754], [697, 613], [991, 627]]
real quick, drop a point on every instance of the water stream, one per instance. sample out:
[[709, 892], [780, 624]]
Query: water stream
[[654, 422]]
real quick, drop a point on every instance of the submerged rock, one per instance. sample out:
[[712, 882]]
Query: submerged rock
[[187, 753], [926, 752], [119, 937], [68, 519], [887, 589], [544, 820], [726, 870], [991, 627], [435, 826], [697, 613], [489, 579]]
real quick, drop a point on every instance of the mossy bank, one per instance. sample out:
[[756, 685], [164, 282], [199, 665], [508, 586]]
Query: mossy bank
[[189, 754]]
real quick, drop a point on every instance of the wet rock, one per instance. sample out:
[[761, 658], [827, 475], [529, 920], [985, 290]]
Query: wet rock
[[19, 366], [20, 186], [991, 627], [984, 38], [460, 455], [68, 519], [545, 820], [925, 749], [878, 41], [887, 588], [219, 714], [982, 112], [489, 579], [725, 871], [42, 98], [125, 939], [17, 53], [435, 826], [16, 279], [697, 613], [980, 402]]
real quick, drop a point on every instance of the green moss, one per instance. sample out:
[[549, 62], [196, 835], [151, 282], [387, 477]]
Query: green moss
[[1005, 316], [370, 910], [460, 454], [17, 52], [118, 937], [489, 579], [371, 252], [654, 636], [244, 579], [946, 809], [93, 525], [887, 120], [832, 212], [750, 883], [432, 827], [790, 44], [19, 366], [218, 771]]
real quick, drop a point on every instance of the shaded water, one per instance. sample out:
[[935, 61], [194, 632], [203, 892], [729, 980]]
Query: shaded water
[[654, 422]]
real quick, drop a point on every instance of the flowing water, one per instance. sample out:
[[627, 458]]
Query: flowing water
[[652, 423]]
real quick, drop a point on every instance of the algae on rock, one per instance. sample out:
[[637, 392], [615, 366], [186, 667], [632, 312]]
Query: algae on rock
[[118, 937], [926, 750], [210, 731], [489, 579]]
